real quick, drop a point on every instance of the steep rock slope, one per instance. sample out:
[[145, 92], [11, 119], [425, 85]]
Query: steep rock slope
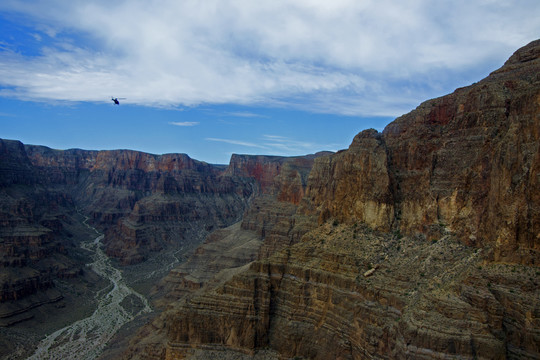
[[34, 243], [471, 161], [353, 185], [269, 225], [457, 182], [144, 202], [468, 161], [321, 299]]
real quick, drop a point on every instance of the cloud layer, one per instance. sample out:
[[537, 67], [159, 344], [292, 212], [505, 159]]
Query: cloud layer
[[343, 56], [278, 145]]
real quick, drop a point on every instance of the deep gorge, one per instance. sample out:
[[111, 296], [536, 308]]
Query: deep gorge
[[422, 241]]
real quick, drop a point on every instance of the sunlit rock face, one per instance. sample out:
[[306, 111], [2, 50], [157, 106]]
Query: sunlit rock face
[[353, 185], [421, 242], [470, 161], [467, 162]]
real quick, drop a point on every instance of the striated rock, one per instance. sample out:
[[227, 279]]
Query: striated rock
[[353, 185], [269, 225], [59, 166], [34, 244], [469, 161], [15, 168], [223, 251], [313, 301], [421, 242], [285, 177], [143, 202], [158, 221], [465, 163]]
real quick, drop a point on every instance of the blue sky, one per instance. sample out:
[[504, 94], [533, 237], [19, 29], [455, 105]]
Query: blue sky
[[215, 77]]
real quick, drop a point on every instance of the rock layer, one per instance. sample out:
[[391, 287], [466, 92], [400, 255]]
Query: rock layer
[[312, 300], [142, 202], [468, 162], [421, 242], [34, 244]]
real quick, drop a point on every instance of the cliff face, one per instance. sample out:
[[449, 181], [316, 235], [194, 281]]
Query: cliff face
[[144, 202], [34, 244], [353, 185], [470, 161], [421, 242], [348, 292], [467, 162]]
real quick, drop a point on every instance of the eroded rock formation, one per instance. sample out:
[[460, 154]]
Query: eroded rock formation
[[34, 244], [421, 242], [418, 242], [143, 202]]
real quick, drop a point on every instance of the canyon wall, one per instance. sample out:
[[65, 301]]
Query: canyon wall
[[143, 203], [34, 243], [421, 242], [467, 162], [418, 242]]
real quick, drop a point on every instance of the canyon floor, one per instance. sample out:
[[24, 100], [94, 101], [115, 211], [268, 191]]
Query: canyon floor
[[81, 296]]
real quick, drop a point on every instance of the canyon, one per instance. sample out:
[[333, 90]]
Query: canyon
[[422, 241]]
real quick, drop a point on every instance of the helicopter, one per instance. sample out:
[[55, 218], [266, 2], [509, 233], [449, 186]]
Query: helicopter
[[115, 100]]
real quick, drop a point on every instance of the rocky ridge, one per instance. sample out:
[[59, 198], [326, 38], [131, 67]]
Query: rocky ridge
[[421, 242], [144, 203]]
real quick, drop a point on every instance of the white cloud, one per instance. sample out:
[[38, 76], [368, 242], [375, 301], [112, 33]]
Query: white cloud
[[245, 114], [280, 145], [343, 56], [237, 142], [184, 123]]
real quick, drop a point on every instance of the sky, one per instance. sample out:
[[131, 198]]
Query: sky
[[210, 78]]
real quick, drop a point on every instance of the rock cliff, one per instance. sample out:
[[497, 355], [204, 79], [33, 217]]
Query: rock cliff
[[34, 243], [421, 242], [144, 203], [467, 162], [470, 161]]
